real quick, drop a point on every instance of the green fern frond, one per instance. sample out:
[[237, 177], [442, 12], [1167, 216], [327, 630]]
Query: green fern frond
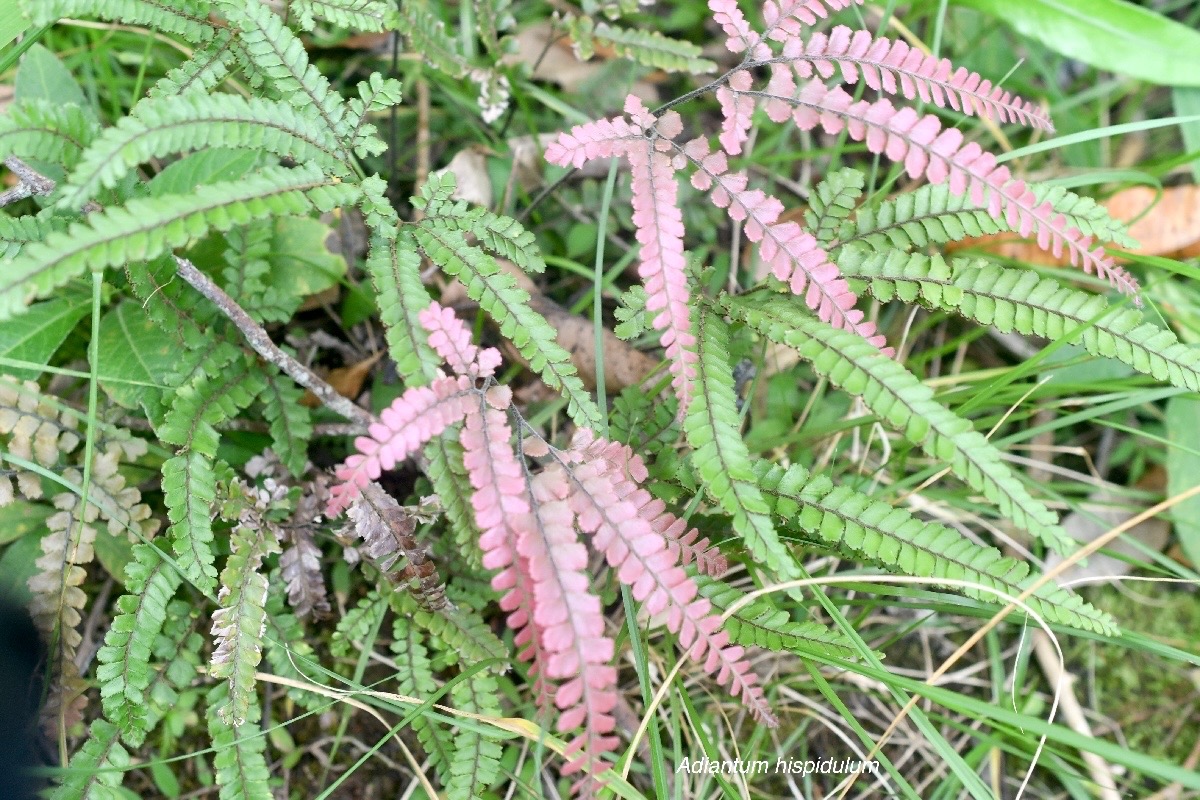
[[187, 18], [240, 751], [1021, 300], [157, 128], [831, 202], [189, 481], [145, 228], [899, 398], [290, 423], [175, 307], [934, 215], [760, 624], [125, 672], [238, 624], [452, 486], [395, 268], [502, 235], [467, 637], [652, 49], [713, 429], [357, 623], [426, 34], [16, 232], [374, 16], [507, 304], [892, 538], [414, 677], [374, 95], [475, 766], [42, 131], [493, 17], [98, 768], [279, 56], [201, 72]]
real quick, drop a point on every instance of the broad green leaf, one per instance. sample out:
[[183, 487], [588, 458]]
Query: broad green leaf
[[17, 567], [36, 335], [208, 166], [136, 355], [1187, 104], [12, 21], [21, 517], [1183, 470], [43, 77], [301, 263], [1107, 34]]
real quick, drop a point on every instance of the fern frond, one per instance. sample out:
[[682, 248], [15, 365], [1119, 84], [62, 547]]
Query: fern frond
[[240, 761], [357, 623], [902, 401], [16, 232], [290, 423], [201, 72], [145, 228], [185, 18], [899, 542], [795, 256], [651, 48], [626, 525], [927, 150], [287, 649], [932, 214], [125, 672], [831, 202], [475, 766], [426, 34], [239, 623], [97, 769], [759, 624], [414, 677], [414, 418], [388, 532], [883, 63], [502, 235], [507, 304], [42, 131], [157, 128], [189, 482], [449, 337], [467, 636], [374, 16], [713, 429], [279, 55], [1021, 300], [374, 95]]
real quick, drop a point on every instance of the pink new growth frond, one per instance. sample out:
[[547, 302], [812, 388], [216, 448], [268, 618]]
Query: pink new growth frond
[[451, 340], [783, 19], [415, 417], [896, 68], [925, 148], [795, 256], [661, 263], [620, 516]]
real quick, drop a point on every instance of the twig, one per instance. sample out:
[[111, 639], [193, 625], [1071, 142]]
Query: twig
[[254, 334], [258, 339]]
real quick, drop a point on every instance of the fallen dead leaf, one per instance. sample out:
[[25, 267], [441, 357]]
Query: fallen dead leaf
[[552, 58], [346, 381]]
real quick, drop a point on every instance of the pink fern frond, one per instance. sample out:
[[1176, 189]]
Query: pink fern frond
[[451, 340], [785, 17], [739, 36], [893, 67], [571, 619], [602, 138], [926, 149], [624, 523], [737, 111], [661, 262], [518, 600], [412, 419], [795, 257]]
